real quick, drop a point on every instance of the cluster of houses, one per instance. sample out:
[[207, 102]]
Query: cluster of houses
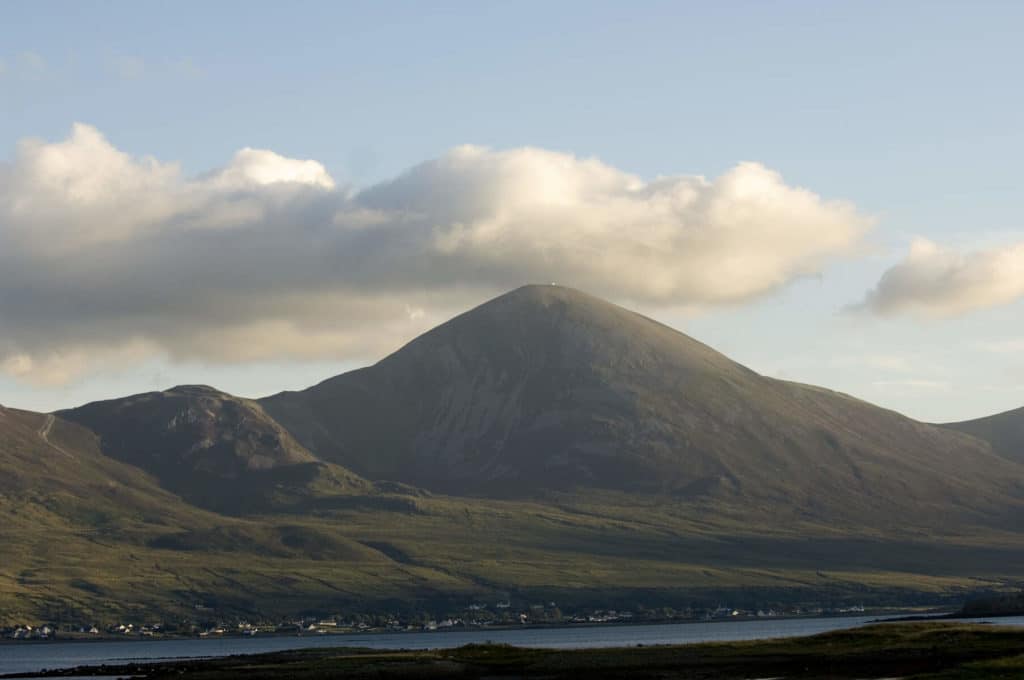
[[728, 612], [243, 628], [473, 615], [30, 633], [603, 616], [52, 631], [132, 629]]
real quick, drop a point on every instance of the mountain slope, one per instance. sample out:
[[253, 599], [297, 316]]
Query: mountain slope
[[1004, 431], [85, 538], [52, 466], [217, 450], [547, 388]]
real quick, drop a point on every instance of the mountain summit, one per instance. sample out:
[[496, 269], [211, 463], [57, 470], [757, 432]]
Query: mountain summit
[[548, 388]]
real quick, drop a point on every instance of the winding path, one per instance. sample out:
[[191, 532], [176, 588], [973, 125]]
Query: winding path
[[44, 434], [44, 431]]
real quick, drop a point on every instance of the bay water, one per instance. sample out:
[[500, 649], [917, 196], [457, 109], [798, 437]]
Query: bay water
[[31, 657]]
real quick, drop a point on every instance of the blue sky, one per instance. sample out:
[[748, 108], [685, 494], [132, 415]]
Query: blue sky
[[908, 111]]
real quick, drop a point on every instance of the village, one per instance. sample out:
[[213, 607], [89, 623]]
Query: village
[[475, 615]]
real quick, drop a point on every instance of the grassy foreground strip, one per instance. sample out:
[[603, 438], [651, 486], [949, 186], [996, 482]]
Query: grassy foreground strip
[[914, 650]]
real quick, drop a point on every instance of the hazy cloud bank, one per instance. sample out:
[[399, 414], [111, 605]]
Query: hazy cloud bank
[[106, 257], [939, 282]]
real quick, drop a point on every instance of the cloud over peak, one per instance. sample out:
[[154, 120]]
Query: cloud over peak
[[266, 257], [534, 215]]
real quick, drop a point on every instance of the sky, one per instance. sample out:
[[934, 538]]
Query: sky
[[259, 196]]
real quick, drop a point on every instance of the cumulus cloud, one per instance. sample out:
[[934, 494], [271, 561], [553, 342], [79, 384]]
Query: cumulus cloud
[[105, 256], [259, 167], [940, 282]]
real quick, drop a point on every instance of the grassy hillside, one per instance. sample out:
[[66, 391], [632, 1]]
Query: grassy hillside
[[98, 540], [87, 537], [1004, 431]]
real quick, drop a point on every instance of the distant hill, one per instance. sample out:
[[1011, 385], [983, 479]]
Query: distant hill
[[1004, 431], [998, 605], [86, 538], [217, 450], [55, 468], [547, 388]]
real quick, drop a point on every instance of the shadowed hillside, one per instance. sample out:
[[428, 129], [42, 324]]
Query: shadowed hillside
[[547, 388], [51, 466], [87, 538], [216, 450], [1004, 431]]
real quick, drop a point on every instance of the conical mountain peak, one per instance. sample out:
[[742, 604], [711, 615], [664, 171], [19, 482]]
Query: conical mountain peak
[[536, 327], [549, 388]]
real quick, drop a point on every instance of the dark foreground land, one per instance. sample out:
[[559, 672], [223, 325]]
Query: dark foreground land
[[912, 650]]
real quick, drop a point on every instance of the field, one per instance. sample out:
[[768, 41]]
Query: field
[[441, 554]]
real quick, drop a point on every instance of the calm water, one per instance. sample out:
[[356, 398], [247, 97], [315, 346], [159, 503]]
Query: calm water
[[32, 657]]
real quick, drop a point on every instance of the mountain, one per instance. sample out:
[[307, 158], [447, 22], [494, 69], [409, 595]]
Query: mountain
[[216, 450], [1004, 431], [547, 388], [545, 446]]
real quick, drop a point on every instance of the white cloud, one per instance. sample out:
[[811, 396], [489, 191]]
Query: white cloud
[[939, 282], [258, 167], [64, 364], [107, 255]]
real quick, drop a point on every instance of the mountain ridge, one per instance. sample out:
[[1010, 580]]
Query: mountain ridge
[[546, 387], [1004, 431]]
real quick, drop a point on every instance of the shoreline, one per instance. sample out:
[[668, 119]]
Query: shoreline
[[86, 638], [878, 650], [952, 616]]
